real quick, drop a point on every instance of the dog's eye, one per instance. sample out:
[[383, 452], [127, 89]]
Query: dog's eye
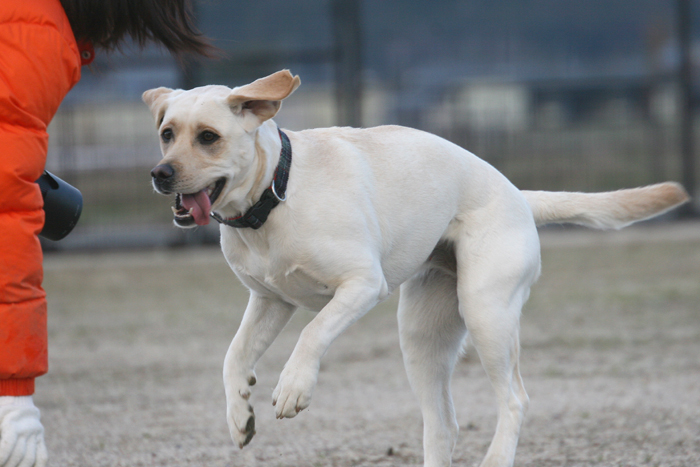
[[208, 137], [166, 135]]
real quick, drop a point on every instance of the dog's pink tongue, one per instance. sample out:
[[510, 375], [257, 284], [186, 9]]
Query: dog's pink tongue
[[200, 204]]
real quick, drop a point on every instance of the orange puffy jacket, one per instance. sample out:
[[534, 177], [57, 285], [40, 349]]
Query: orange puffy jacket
[[39, 64]]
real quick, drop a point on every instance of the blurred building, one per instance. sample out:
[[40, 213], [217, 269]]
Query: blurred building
[[557, 95]]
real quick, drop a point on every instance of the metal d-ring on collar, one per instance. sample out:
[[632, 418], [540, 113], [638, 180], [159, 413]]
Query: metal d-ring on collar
[[256, 216], [274, 192]]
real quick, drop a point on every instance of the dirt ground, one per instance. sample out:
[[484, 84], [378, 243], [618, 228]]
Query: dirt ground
[[611, 361]]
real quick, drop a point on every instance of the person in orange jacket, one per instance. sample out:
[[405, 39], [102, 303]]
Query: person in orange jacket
[[43, 44]]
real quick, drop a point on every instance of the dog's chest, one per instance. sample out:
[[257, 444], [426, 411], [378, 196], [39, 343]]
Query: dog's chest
[[277, 273]]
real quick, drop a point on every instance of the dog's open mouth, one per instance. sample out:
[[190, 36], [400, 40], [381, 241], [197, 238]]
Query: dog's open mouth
[[195, 208]]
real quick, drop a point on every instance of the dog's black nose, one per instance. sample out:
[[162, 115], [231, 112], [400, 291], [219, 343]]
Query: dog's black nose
[[162, 172]]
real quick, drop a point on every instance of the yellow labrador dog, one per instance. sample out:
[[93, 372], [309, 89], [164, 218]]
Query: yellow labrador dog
[[335, 219]]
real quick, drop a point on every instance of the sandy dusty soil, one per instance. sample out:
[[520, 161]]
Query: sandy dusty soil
[[611, 360]]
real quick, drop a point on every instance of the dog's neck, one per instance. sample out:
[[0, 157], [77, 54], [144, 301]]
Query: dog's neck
[[260, 175]]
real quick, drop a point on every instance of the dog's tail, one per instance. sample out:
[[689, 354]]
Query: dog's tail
[[609, 210]]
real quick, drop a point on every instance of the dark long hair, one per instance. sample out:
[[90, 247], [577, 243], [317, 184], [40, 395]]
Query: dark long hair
[[107, 23]]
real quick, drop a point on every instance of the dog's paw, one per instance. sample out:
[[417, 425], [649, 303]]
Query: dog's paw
[[240, 415], [241, 422], [293, 392]]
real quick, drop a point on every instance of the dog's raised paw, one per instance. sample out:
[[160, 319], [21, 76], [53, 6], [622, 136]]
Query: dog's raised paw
[[241, 421], [249, 431], [293, 393]]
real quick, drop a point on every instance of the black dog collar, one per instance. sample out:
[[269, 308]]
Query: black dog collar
[[256, 216]]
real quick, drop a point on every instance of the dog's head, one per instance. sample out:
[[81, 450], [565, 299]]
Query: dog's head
[[207, 137]]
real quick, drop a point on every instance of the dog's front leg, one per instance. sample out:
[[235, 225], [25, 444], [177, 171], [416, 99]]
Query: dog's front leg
[[262, 321], [351, 300]]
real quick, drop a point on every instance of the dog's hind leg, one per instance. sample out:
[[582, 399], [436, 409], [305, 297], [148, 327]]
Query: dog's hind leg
[[432, 332], [495, 272]]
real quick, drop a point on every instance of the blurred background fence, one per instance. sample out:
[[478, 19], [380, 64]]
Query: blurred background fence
[[585, 96]]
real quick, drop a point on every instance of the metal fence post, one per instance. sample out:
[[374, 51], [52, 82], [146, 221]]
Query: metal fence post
[[346, 18], [686, 101]]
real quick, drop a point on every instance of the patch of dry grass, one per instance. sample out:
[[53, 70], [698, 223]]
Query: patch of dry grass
[[611, 338]]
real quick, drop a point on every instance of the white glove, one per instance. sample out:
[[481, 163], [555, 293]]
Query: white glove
[[21, 433]]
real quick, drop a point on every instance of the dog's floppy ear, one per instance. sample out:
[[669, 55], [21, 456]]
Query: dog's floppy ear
[[155, 100], [260, 100]]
